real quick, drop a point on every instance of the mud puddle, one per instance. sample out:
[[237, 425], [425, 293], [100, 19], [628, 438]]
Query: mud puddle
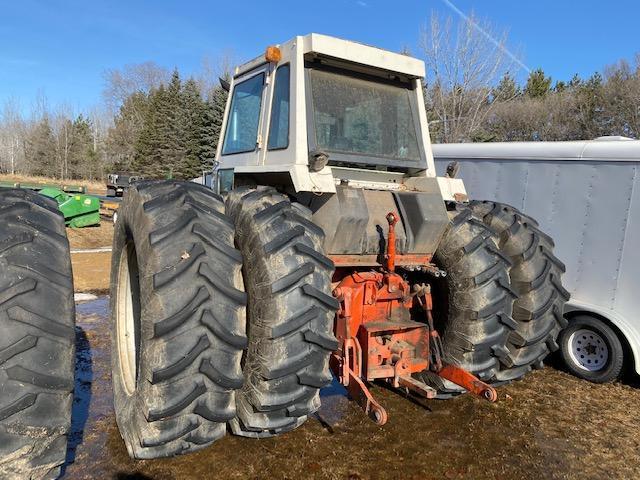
[[550, 425]]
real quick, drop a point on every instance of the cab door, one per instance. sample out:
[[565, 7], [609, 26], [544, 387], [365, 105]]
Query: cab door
[[243, 132]]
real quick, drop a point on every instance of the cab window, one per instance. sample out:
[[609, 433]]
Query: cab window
[[244, 116], [279, 127]]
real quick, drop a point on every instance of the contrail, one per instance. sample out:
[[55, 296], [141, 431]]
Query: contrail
[[466, 18]]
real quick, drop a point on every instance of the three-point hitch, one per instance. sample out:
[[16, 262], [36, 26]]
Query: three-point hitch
[[378, 340]]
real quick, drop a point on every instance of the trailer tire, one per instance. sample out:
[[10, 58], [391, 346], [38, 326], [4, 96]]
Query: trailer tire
[[178, 319], [290, 312], [37, 336], [111, 192], [604, 358], [536, 276], [472, 304]]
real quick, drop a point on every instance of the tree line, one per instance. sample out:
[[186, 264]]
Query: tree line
[[154, 123], [172, 130], [472, 94], [540, 110]]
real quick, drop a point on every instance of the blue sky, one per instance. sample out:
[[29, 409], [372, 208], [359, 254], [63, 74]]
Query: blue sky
[[61, 48]]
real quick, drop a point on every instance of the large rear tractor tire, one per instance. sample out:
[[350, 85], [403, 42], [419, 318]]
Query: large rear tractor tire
[[290, 312], [178, 319], [472, 304], [37, 337], [536, 277]]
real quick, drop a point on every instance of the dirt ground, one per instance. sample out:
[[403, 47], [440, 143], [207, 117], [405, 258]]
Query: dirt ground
[[91, 272], [91, 269], [91, 237], [550, 425]]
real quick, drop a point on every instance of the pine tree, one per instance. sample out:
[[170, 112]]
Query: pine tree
[[209, 133], [538, 85], [81, 157], [575, 81], [41, 147], [192, 118], [218, 102], [590, 100], [160, 147], [506, 90], [148, 159], [171, 127], [123, 137], [560, 86]]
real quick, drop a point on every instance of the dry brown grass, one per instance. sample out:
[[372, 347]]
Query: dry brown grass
[[93, 187]]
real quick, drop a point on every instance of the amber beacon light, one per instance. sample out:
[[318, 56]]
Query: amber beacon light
[[273, 54]]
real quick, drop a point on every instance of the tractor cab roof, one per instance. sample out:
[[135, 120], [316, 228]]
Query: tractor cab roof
[[315, 45]]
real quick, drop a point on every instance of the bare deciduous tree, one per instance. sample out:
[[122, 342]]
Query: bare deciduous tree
[[11, 135], [139, 77], [463, 64], [212, 69]]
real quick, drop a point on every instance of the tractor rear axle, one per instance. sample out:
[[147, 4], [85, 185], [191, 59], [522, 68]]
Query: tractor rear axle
[[378, 340]]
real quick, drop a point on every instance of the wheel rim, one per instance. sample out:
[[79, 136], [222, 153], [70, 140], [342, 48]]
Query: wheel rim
[[126, 332], [588, 350]]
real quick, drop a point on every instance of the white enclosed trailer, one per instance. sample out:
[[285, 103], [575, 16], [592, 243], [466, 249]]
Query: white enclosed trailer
[[586, 195]]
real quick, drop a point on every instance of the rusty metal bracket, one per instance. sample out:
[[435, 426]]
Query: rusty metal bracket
[[361, 394], [348, 370]]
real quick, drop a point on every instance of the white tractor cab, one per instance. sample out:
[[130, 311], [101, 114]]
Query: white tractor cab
[[316, 115]]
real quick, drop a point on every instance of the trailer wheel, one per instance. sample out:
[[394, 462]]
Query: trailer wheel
[[290, 312], [536, 276], [37, 336], [591, 350], [472, 304], [177, 315], [111, 192]]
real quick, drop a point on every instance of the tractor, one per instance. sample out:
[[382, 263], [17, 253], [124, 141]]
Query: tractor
[[327, 247]]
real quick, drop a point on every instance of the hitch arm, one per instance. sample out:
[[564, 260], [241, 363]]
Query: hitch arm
[[469, 382]]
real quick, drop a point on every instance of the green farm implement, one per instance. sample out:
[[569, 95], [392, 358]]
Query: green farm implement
[[79, 210]]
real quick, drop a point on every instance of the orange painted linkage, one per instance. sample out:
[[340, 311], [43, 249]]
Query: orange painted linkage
[[347, 368], [392, 218], [468, 381]]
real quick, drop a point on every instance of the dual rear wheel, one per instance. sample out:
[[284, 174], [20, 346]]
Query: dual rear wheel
[[221, 316], [500, 309]]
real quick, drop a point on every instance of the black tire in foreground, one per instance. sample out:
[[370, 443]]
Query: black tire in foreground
[[591, 350], [178, 318], [472, 304], [290, 312], [37, 337], [536, 277]]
